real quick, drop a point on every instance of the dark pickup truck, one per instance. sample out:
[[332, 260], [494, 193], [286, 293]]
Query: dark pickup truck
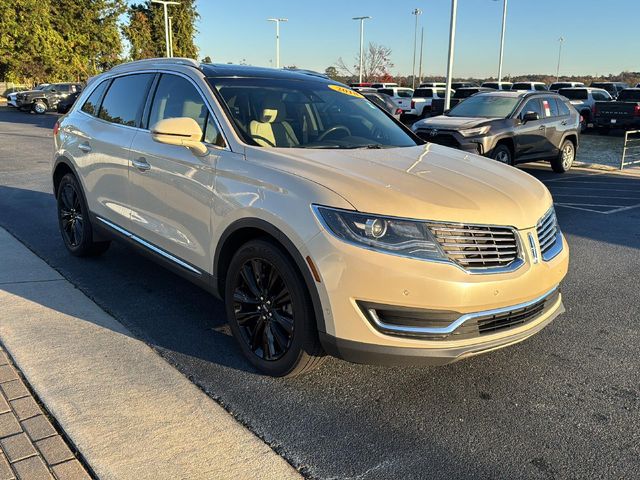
[[39, 101], [621, 113]]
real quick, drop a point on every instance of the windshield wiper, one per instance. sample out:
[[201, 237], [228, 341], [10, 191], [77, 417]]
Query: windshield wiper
[[369, 146]]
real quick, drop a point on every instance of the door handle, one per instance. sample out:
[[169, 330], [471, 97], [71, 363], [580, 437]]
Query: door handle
[[564, 122], [85, 147], [141, 164]]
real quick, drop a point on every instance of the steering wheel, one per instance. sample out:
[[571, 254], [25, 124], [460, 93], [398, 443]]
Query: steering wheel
[[335, 128], [265, 140]]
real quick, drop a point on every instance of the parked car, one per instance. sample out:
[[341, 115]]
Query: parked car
[[498, 85], [12, 97], [65, 104], [538, 86], [554, 87], [511, 127], [614, 88], [400, 95], [637, 85], [624, 112], [584, 101], [457, 85], [39, 101], [421, 101], [322, 223], [384, 102], [437, 106], [360, 85], [432, 85], [383, 85]]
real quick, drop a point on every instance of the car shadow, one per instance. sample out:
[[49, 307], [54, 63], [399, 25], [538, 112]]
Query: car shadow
[[13, 115]]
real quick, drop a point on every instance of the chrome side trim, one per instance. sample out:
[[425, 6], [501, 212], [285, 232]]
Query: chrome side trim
[[150, 246], [417, 331]]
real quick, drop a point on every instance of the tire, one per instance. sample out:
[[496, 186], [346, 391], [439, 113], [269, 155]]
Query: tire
[[73, 220], [39, 107], [270, 311], [502, 154], [562, 163]]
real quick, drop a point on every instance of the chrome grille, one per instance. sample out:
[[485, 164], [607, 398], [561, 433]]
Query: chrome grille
[[477, 247], [548, 234]]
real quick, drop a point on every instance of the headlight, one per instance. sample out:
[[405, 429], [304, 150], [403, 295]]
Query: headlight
[[472, 132], [408, 238]]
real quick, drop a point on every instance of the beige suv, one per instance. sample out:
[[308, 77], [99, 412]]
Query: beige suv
[[324, 224]]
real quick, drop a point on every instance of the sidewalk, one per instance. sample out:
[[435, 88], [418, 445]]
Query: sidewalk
[[126, 410], [30, 447]]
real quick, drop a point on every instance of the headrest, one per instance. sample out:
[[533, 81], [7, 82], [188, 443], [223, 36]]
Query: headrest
[[273, 110]]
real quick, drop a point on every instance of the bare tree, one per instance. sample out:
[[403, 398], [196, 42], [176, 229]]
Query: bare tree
[[376, 65]]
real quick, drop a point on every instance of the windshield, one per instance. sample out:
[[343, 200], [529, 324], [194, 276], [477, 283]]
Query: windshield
[[485, 106], [295, 113], [574, 93]]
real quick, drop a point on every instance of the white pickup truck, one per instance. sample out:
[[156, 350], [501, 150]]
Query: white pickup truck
[[400, 95], [420, 105]]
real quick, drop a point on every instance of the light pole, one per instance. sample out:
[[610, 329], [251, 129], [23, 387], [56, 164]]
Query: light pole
[[170, 37], [561, 41], [362, 19], [452, 41], [277, 22], [504, 26], [415, 12], [420, 62], [164, 4]]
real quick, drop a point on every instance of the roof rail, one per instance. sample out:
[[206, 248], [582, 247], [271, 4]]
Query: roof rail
[[147, 62]]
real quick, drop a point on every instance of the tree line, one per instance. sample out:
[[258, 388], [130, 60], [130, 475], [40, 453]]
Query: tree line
[[71, 40]]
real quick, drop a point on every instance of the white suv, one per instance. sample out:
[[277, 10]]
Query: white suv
[[323, 223]]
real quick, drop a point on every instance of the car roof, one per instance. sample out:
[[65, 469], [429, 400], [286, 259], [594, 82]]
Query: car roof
[[216, 70]]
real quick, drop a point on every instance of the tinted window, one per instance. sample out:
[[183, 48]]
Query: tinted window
[[386, 91], [405, 93], [563, 108], [539, 87], [550, 107], [423, 93], [574, 93], [488, 106], [125, 99], [532, 105], [600, 96], [629, 96], [521, 86], [92, 104], [61, 88], [177, 97], [491, 85]]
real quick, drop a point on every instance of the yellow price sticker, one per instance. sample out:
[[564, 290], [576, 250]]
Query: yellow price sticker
[[346, 91]]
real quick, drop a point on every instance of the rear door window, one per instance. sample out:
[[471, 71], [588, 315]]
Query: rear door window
[[92, 105], [550, 107], [125, 99]]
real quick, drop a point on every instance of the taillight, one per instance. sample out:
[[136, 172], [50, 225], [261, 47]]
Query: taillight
[[413, 104], [595, 110], [398, 111], [636, 110], [56, 127]]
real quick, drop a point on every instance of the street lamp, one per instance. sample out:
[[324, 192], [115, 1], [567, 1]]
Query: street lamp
[[561, 41], [170, 37], [277, 22], [164, 4], [415, 12], [452, 41], [504, 25], [362, 19]]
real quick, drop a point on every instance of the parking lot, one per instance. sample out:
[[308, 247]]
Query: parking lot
[[563, 404]]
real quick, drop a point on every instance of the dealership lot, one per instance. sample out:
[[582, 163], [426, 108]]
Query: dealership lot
[[562, 404]]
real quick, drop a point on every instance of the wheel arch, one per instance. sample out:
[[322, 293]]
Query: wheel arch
[[246, 229], [61, 167], [508, 141], [573, 137]]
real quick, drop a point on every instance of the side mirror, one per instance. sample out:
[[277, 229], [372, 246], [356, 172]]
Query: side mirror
[[181, 131], [530, 117]]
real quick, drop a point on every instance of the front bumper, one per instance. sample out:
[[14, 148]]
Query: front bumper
[[481, 145], [352, 276]]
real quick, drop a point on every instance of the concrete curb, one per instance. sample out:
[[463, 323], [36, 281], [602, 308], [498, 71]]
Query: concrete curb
[[128, 412]]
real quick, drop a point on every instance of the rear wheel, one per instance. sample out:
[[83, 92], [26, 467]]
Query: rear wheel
[[502, 153], [39, 107], [562, 163], [270, 312], [73, 220]]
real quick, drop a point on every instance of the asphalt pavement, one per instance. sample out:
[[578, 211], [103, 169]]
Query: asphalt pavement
[[563, 404]]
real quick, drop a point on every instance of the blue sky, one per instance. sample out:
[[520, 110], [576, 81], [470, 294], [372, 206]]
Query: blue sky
[[601, 36]]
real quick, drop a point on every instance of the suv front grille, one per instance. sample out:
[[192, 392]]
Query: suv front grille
[[548, 234], [477, 247], [514, 318], [444, 139]]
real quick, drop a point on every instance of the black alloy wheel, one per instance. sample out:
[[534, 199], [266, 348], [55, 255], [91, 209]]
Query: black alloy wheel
[[270, 311], [263, 309]]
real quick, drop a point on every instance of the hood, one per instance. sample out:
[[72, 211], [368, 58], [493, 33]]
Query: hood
[[453, 123], [429, 182], [27, 92]]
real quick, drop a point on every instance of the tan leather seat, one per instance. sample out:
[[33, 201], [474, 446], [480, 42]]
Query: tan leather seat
[[272, 130]]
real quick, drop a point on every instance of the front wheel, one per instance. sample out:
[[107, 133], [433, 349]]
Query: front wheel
[[270, 311], [562, 163], [502, 153], [39, 107], [73, 220]]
